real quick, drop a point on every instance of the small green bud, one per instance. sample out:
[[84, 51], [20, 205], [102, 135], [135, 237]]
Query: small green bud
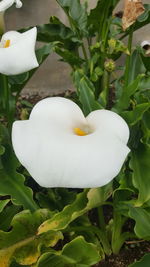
[[112, 43], [24, 114], [109, 65]]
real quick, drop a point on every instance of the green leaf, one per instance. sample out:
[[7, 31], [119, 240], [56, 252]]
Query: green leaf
[[84, 201], [133, 116], [124, 100], [3, 203], [76, 253], [2, 150], [141, 172], [86, 89], [55, 198], [136, 66], [69, 57], [97, 21], [7, 215], [12, 183], [57, 31], [144, 262], [22, 243], [77, 14], [145, 83], [142, 218]]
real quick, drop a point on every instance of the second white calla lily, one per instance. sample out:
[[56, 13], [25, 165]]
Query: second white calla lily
[[17, 52], [5, 4], [61, 148]]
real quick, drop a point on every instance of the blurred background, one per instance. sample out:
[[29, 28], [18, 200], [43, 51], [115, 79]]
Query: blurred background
[[53, 77]]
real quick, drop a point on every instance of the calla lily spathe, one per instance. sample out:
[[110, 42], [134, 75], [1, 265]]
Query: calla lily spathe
[[17, 52], [5, 4], [61, 148]]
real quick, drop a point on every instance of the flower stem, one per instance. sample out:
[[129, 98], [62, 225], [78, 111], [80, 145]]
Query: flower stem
[[101, 219], [6, 100], [2, 23], [118, 238], [104, 95], [128, 59]]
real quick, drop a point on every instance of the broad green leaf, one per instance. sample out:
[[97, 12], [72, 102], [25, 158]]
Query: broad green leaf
[[86, 89], [146, 127], [2, 150], [84, 201], [22, 243], [12, 183], [146, 61], [141, 172], [136, 66], [55, 198], [133, 116], [69, 57], [3, 203], [7, 215], [145, 83], [144, 262], [76, 253], [77, 14], [57, 31], [97, 21], [127, 92], [142, 219]]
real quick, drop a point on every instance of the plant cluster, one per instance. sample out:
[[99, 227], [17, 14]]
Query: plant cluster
[[44, 227]]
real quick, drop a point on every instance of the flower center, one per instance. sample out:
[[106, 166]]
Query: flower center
[[79, 132], [7, 44]]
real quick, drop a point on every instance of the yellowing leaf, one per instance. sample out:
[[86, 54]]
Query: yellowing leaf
[[85, 201], [22, 242]]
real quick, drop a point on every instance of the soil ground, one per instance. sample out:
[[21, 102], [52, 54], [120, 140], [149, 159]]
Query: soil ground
[[130, 253]]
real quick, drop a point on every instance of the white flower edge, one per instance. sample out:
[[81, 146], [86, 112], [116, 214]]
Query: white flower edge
[[56, 157], [5, 4], [20, 56], [145, 42]]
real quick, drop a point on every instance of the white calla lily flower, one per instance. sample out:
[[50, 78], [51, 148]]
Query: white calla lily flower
[[146, 46], [17, 52], [5, 4], [61, 148]]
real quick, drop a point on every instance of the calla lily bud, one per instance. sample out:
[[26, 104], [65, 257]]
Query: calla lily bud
[[61, 148], [110, 65], [146, 46], [17, 52], [5, 4]]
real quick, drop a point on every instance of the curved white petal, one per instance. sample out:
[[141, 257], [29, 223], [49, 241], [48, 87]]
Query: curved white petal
[[144, 43], [56, 157], [110, 123], [18, 4], [20, 56], [5, 4]]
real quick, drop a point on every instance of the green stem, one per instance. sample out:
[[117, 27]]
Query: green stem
[[118, 238], [128, 59], [101, 219], [75, 30], [84, 52], [2, 23], [6, 100], [104, 95]]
